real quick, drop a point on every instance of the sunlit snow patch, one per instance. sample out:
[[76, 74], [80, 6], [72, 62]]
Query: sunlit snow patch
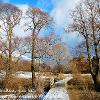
[[57, 93]]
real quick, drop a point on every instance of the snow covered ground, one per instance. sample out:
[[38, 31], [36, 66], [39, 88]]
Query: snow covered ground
[[28, 96], [8, 97], [57, 93], [22, 74], [26, 75]]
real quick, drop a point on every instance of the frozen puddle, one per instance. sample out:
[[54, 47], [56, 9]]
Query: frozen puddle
[[57, 93]]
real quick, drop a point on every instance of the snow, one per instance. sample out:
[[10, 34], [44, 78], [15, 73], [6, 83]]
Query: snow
[[22, 74], [28, 96], [7, 97], [67, 77], [28, 75], [23, 57], [16, 55], [59, 82], [2, 74], [57, 93]]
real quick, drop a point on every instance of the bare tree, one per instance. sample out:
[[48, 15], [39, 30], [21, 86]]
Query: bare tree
[[39, 20], [86, 22], [9, 17], [80, 24], [54, 51], [93, 7]]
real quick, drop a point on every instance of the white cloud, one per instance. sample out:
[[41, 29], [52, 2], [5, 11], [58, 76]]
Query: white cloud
[[60, 13], [20, 29]]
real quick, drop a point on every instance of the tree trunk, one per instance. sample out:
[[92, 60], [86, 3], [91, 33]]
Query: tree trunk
[[94, 37], [9, 67], [88, 47], [33, 60], [94, 64], [9, 56], [96, 73], [95, 61], [96, 79]]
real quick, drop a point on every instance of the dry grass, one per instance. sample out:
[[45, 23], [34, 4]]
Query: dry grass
[[81, 87], [22, 86], [18, 84]]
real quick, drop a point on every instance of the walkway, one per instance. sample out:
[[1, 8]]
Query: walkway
[[57, 93]]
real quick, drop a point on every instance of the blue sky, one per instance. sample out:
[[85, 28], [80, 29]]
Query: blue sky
[[46, 5], [59, 10]]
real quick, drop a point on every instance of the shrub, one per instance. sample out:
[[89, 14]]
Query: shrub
[[18, 84], [81, 83]]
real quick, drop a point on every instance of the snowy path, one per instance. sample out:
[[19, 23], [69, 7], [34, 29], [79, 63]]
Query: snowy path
[[57, 93]]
